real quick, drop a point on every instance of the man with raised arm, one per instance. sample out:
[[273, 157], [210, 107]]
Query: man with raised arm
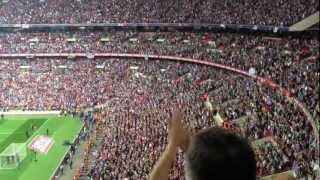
[[211, 154]]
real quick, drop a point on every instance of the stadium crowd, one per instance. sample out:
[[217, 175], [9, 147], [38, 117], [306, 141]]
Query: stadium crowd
[[140, 136], [290, 62], [138, 97], [129, 88], [264, 12]]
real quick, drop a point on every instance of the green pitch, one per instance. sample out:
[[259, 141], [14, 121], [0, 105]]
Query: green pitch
[[22, 129]]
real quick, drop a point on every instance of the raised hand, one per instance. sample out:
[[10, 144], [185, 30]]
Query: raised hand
[[178, 135]]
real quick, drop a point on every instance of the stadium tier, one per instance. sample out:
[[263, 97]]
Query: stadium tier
[[123, 11], [283, 60]]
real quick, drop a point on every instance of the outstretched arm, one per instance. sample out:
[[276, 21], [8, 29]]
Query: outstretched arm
[[162, 167], [178, 136]]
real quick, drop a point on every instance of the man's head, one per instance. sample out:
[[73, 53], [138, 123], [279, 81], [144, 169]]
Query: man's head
[[216, 154]]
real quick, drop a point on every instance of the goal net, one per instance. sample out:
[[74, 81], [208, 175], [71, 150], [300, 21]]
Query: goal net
[[13, 155]]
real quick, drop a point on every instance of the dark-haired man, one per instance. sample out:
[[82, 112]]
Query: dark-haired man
[[212, 154]]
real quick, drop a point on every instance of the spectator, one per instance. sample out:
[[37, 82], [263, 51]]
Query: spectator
[[212, 154]]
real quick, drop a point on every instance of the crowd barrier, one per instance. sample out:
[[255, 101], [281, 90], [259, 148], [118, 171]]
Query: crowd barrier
[[263, 81]]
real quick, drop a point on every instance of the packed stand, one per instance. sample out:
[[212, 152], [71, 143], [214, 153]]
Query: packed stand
[[131, 150], [290, 62], [127, 89], [138, 96], [264, 12]]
